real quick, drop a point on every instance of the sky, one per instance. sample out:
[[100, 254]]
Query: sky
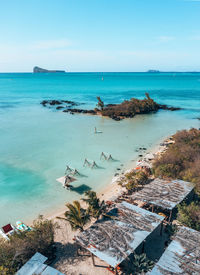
[[100, 35]]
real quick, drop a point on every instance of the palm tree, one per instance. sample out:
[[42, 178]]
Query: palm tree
[[76, 216], [100, 103], [96, 208], [138, 264]]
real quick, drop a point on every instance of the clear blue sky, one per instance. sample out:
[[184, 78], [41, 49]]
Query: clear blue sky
[[100, 35]]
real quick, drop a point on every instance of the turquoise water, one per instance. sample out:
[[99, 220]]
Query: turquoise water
[[36, 143]]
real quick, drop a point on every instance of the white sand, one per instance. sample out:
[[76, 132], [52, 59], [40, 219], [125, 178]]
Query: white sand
[[67, 260]]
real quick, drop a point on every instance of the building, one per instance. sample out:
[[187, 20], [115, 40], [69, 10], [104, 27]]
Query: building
[[164, 194], [182, 256], [114, 238], [36, 266]]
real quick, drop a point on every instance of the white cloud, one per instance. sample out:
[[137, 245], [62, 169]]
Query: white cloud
[[165, 38]]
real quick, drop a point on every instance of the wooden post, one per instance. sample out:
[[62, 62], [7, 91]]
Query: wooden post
[[152, 208], [161, 228], [170, 216], [93, 259], [143, 246]]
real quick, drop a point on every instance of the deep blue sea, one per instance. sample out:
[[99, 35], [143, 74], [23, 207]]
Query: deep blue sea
[[36, 143]]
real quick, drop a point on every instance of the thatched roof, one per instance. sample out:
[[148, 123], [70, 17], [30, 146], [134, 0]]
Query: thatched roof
[[182, 255], [114, 239], [164, 193]]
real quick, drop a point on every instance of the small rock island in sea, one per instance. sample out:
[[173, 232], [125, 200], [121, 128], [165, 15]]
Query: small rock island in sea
[[126, 109], [40, 70]]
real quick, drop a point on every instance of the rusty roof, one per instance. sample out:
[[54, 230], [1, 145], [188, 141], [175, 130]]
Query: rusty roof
[[182, 255], [164, 193], [114, 239]]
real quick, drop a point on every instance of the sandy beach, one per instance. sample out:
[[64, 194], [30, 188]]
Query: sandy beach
[[67, 260]]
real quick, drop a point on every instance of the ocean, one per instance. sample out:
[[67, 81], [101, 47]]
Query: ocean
[[36, 143]]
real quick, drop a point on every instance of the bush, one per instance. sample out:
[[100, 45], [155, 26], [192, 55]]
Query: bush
[[21, 247], [189, 215], [135, 179], [182, 161], [130, 108]]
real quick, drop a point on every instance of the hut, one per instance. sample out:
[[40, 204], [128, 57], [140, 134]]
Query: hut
[[36, 266], [182, 256], [124, 231], [164, 194]]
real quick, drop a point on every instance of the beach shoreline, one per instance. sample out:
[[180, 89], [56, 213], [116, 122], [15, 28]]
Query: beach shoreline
[[112, 189], [67, 261]]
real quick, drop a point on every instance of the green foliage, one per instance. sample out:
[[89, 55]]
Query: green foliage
[[96, 208], [22, 246], [138, 264], [135, 179], [189, 215], [129, 108], [171, 229], [76, 216], [182, 161], [100, 103]]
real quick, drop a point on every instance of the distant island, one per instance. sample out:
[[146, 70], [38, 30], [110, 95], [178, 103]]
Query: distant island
[[153, 71], [41, 70]]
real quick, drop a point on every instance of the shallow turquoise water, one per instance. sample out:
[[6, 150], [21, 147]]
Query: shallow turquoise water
[[36, 142]]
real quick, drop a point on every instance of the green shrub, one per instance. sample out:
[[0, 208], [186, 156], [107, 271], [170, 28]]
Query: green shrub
[[135, 179], [182, 161], [21, 247], [189, 215]]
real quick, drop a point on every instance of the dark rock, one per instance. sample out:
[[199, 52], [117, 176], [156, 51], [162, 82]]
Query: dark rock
[[55, 102], [59, 107], [170, 108]]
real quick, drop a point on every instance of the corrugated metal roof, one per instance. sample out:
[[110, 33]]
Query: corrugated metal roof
[[114, 239], [36, 266], [182, 255], [164, 193]]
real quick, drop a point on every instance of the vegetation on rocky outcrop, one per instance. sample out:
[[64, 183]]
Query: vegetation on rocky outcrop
[[126, 109], [135, 180], [182, 161]]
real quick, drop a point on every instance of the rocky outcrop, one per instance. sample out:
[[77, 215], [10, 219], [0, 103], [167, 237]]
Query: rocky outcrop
[[79, 111], [50, 103], [41, 70], [170, 108], [126, 109]]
